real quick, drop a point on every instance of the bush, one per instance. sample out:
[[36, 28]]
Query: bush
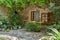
[[56, 25], [32, 27], [5, 24], [14, 18]]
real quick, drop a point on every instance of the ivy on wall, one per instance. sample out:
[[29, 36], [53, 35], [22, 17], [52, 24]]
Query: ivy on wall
[[11, 3]]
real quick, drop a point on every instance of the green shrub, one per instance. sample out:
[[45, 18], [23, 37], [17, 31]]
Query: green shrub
[[14, 18], [5, 24], [57, 26], [32, 27]]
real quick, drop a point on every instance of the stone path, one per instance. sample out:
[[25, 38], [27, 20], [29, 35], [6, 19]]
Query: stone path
[[20, 33]]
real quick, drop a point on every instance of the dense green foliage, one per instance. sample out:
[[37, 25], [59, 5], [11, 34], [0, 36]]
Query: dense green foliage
[[32, 27], [5, 24], [57, 26], [56, 1], [14, 18], [56, 15], [56, 12], [10, 3]]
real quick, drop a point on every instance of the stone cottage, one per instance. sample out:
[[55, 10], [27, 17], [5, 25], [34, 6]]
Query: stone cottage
[[37, 13]]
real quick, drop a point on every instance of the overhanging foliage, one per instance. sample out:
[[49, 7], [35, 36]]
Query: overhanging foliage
[[10, 3]]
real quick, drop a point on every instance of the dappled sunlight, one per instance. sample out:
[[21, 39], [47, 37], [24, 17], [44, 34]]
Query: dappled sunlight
[[7, 37]]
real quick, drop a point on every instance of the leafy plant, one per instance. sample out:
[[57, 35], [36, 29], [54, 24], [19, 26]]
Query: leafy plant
[[56, 12], [14, 18], [32, 27], [5, 24], [55, 34], [11, 3], [57, 26]]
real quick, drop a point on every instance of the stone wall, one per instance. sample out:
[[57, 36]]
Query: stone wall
[[3, 11]]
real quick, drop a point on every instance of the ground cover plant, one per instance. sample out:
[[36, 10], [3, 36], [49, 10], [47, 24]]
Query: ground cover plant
[[33, 26]]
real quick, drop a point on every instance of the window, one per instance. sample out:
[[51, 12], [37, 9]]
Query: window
[[35, 15], [44, 17]]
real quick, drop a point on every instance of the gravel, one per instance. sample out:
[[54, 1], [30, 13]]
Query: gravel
[[24, 35]]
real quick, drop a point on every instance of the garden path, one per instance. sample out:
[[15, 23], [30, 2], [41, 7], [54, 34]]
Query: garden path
[[21, 33]]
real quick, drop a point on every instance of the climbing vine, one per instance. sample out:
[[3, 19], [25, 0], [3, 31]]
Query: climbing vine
[[11, 3]]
